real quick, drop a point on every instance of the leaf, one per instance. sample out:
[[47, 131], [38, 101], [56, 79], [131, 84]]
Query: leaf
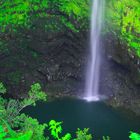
[[67, 137], [134, 136], [52, 122]]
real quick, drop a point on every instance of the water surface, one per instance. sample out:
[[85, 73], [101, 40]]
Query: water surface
[[100, 118]]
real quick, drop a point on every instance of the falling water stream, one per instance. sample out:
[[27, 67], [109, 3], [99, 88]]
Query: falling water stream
[[100, 118], [93, 68]]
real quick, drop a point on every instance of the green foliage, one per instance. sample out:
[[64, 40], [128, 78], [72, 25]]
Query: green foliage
[[6, 133], [17, 13], [2, 132], [36, 131], [21, 13], [123, 18], [2, 88], [83, 134], [78, 11], [2, 101], [29, 123], [134, 136], [56, 129], [10, 108], [76, 7], [35, 94]]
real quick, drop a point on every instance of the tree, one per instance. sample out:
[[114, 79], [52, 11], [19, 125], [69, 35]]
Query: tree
[[122, 17]]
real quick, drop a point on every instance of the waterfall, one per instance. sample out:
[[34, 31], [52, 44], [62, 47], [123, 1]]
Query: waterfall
[[93, 68]]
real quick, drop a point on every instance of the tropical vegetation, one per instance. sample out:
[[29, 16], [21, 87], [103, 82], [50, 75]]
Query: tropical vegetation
[[122, 19]]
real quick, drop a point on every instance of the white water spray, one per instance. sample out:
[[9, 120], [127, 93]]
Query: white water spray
[[92, 76]]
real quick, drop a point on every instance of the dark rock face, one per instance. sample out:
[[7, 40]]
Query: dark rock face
[[121, 54], [120, 76], [58, 62], [62, 70]]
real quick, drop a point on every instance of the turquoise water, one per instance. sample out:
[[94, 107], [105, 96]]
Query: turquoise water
[[100, 118]]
